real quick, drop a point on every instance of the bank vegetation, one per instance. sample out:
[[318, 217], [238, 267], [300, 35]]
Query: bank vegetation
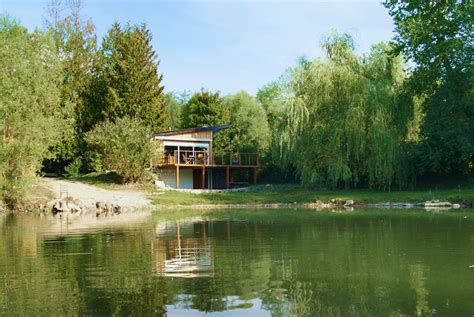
[[387, 119]]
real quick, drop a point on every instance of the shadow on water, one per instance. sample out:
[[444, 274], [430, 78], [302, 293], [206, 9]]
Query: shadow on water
[[257, 262]]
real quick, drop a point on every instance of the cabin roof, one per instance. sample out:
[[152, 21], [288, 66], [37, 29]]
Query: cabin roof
[[214, 129]]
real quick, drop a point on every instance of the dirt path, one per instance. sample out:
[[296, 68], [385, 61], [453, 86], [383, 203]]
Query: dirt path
[[89, 194]]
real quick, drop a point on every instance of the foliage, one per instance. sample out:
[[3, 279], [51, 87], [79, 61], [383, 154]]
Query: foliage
[[441, 46], [173, 111], [30, 109], [77, 52], [205, 109], [344, 122], [123, 146], [74, 169], [273, 98], [249, 131], [131, 76], [441, 52], [447, 132]]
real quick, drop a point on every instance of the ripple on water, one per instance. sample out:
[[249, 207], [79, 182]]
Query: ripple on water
[[233, 263]]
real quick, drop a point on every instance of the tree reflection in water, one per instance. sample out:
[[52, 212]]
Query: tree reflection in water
[[257, 263]]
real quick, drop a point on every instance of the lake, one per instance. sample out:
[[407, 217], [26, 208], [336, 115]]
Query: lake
[[231, 263]]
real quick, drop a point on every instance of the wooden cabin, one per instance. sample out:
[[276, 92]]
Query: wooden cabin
[[185, 159]]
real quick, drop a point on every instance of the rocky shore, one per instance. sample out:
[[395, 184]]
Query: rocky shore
[[332, 204]]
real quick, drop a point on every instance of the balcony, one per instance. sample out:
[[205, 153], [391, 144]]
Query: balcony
[[202, 158]]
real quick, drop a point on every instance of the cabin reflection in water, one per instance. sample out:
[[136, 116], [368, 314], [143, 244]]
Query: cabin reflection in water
[[183, 250]]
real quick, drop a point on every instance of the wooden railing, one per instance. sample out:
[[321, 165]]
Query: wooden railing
[[239, 159], [202, 158], [190, 157]]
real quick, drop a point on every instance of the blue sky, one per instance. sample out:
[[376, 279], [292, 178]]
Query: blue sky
[[228, 45]]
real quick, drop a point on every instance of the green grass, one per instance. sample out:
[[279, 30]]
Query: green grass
[[299, 194], [283, 194]]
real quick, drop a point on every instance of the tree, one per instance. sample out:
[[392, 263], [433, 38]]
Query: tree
[[272, 97], [249, 131], [344, 122], [30, 110], [173, 111], [441, 52], [76, 49], [442, 46], [123, 146], [131, 76], [205, 109]]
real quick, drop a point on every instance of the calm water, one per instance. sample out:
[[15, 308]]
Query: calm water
[[253, 263]]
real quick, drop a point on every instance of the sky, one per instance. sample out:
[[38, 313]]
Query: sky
[[228, 45]]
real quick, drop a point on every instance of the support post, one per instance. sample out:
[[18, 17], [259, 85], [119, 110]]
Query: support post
[[227, 175], [203, 178], [177, 176]]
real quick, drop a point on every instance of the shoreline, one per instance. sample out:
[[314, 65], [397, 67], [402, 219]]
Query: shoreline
[[101, 196], [319, 206]]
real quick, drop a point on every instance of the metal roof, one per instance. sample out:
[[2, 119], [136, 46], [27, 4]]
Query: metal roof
[[214, 129]]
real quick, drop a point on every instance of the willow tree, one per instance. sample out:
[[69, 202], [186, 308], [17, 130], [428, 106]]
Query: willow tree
[[344, 123]]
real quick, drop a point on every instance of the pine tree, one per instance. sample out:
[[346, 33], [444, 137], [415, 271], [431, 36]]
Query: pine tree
[[133, 85]]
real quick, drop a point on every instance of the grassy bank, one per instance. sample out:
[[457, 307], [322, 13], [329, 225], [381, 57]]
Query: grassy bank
[[299, 194], [286, 194]]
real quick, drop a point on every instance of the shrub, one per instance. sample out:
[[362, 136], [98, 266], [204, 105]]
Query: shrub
[[123, 146], [74, 169]]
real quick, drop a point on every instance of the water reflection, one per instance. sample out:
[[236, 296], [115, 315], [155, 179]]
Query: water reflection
[[258, 263], [183, 249]]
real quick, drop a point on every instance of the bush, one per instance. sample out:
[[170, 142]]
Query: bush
[[123, 146], [74, 169]]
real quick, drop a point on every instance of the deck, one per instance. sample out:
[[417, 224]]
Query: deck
[[202, 159]]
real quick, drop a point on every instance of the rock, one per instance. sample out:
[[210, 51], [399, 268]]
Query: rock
[[160, 184], [437, 203], [349, 203], [61, 205], [456, 206], [106, 209], [318, 205]]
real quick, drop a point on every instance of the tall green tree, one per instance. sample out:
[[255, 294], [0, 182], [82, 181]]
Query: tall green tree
[[173, 108], [131, 76], [344, 122], [249, 131], [31, 115], [436, 36], [76, 50], [204, 109]]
